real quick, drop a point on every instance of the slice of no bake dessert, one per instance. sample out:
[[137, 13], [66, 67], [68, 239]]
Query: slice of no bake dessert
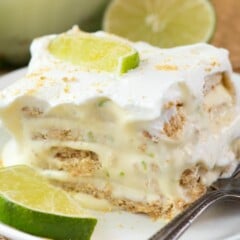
[[149, 140]]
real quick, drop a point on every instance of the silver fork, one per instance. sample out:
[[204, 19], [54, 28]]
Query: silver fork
[[227, 189]]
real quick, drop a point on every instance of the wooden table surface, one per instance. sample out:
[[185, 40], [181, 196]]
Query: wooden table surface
[[227, 33]]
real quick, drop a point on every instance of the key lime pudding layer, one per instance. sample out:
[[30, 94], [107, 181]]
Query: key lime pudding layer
[[148, 140]]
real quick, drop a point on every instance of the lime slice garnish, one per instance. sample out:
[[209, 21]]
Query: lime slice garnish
[[29, 203], [162, 23], [95, 53]]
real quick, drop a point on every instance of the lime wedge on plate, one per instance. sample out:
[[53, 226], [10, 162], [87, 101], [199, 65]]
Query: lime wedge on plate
[[163, 23], [29, 203], [95, 53]]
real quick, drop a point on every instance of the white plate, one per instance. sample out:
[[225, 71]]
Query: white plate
[[220, 222]]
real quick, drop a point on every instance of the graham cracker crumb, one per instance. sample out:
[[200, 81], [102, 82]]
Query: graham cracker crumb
[[191, 182], [143, 147], [167, 67], [31, 111], [57, 134], [69, 80], [67, 89], [175, 125], [77, 162]]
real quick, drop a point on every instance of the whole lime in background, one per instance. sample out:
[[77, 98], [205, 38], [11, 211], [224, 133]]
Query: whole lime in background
[[21, 21], [162, 23]]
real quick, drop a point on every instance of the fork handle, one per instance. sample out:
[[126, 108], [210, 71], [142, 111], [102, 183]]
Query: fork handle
[[174, 229]]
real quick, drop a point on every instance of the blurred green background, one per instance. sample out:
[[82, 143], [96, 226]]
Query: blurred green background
[[23, 20]]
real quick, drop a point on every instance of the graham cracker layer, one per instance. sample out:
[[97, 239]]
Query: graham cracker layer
[[166, 208]]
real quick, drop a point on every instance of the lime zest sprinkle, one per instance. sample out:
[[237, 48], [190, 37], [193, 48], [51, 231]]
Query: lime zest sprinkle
[[122, 174], [151, 155], [128, 62], [102, 102], [109, 138], [91, 136], [107, 173], [144, 164]]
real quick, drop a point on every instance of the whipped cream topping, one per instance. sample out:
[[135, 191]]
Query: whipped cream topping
[[141, 91]]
